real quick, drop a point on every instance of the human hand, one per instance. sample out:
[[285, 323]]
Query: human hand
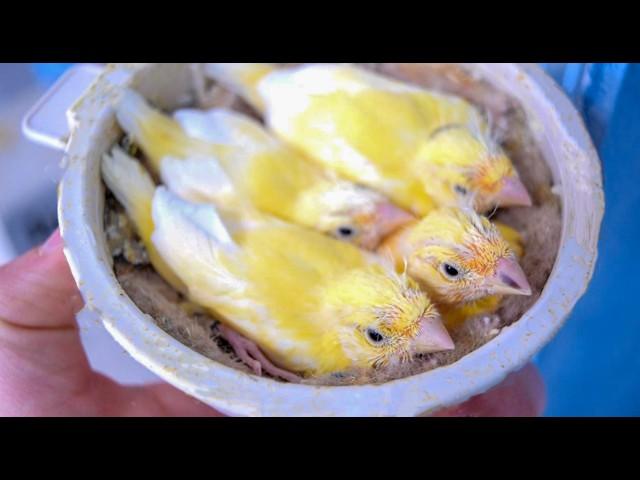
[[521, 394], [44, 370]]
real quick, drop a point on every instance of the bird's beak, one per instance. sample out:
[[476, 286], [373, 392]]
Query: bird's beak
[[509, 279], [432, 336], [390, 217], [513, 194]]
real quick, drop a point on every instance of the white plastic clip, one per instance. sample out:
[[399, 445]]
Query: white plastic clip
[[46, 123]]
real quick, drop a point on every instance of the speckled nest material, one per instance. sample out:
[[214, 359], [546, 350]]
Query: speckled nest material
[[539, 225]]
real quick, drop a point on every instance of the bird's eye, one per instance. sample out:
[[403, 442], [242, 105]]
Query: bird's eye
[[374, 336], [460, 189], [450, 270], [346, 232]]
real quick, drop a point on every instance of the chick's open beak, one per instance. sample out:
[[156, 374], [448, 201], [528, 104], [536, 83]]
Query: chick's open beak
[[390, 217], [513, 194], [432, 336], [509, 278]]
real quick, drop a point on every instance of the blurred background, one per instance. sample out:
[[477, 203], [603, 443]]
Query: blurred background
[[591, 368]]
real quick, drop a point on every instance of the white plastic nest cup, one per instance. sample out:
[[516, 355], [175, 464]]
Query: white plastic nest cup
[[560, 134]]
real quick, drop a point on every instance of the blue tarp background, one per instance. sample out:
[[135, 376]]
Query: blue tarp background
[[592, 367]]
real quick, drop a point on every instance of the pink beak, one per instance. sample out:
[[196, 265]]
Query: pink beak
[[513, 194], [509, 278], [390, 217], [432, 336]]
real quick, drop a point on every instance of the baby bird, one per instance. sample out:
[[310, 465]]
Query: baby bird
[[226, 158], [313, 304], [420, 148], [461, 260]]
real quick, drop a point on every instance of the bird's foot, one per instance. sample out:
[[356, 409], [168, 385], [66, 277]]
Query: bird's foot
[[249, 352]]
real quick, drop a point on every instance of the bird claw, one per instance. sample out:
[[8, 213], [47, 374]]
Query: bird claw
[[250, 353]]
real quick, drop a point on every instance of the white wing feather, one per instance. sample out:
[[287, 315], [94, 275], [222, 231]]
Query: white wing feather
[[192, 239], [197, 179]]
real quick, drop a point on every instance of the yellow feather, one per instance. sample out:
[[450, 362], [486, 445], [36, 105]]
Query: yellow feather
[[134, 188], [382, 133], [226, 158], [157, 134], [464, 240], [306, 299], [513, 237]]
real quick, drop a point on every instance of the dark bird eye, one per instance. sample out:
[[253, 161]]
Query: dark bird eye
[[450, 270], [374, 335], [346, 232], [460, 189]]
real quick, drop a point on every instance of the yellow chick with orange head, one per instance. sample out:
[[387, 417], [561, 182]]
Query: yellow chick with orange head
[[227, 158], [464, 262], [420, 148], [291, 300]]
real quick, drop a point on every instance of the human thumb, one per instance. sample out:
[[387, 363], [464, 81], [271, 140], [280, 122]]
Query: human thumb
[[37, 290]]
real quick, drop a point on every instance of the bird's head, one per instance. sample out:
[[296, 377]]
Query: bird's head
[[460, 256], [463, 164], [385, 318], [352, 213]]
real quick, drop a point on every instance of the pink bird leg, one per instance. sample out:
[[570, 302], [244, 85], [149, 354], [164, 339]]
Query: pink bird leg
[[249, 352]]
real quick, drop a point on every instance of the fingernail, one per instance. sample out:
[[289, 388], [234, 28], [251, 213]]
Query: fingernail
[[53, 244]]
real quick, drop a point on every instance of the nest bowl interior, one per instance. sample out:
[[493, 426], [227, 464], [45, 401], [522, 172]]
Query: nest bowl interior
[[540, 226]]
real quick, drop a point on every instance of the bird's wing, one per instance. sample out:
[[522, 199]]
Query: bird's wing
[[157, 134], [226, 127], [292, 263], [264, 170], [307, 108], [197, 179], [250, 146], [195, 243], [365, 134], [266, 304]]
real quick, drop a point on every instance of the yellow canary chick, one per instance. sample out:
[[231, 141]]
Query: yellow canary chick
[[314, 305], [419, 147], [227, 158], [461, 260]]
